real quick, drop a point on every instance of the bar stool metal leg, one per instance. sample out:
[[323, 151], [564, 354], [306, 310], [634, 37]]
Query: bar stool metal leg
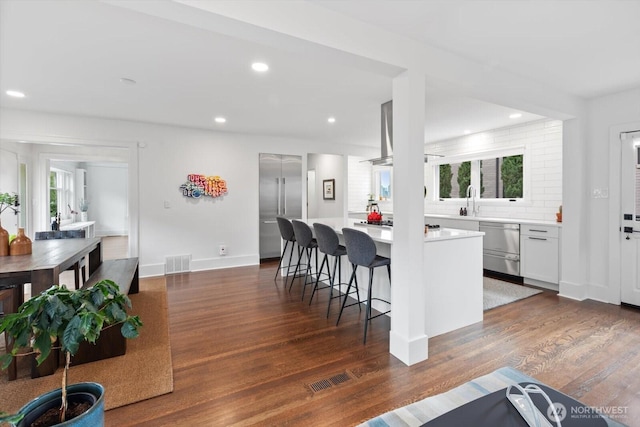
[[284, 251]]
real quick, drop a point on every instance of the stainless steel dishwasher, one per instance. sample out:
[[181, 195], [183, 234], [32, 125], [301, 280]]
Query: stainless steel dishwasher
[[501, 247]]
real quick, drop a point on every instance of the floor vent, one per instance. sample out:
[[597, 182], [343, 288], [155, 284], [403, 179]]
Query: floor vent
[[177, 264], [340, 378], [320, 385], [329, 382]]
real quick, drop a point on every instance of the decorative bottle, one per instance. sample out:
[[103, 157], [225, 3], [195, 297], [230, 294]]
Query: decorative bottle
[[4, 242], [21, 245]]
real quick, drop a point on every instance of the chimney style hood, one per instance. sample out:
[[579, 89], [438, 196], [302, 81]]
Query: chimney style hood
[[386, 141]]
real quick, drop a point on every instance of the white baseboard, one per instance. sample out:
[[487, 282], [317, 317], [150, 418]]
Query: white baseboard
[[411, 351], [223, 262], [574, 291], [151, 270], [541, 284]]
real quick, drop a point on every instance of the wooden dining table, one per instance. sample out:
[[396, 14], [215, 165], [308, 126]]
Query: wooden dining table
[[48, 258], [42, 268]]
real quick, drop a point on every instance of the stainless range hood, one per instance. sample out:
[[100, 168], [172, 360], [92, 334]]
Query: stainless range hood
[[386, 141]]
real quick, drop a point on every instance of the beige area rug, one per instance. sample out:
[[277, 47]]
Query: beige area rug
[[143, 372], [498, 292]]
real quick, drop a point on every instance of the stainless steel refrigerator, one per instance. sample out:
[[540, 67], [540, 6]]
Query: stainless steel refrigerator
[[280, 195]]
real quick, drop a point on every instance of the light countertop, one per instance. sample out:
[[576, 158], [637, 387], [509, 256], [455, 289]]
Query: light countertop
[[389, 215], [384, 234]]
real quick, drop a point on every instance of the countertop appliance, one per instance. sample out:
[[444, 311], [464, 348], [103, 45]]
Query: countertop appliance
[[501, 247], [280, 195]]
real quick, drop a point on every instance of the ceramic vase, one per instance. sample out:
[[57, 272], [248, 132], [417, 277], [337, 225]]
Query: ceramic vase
[[21, 245], [4, 241], [83, 216]]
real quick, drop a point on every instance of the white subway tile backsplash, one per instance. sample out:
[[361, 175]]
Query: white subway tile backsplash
[[543, 147]]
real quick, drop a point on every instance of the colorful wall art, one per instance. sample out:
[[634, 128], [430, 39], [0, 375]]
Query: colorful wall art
[[201, 185]]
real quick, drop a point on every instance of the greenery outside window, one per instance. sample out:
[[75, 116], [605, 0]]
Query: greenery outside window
[[495, 176], [60, 193]]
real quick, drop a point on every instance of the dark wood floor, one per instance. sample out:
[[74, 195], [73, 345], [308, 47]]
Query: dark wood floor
[[245, 352]]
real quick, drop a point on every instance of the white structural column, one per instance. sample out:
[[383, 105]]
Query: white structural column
[[408, 340], [575, 212]]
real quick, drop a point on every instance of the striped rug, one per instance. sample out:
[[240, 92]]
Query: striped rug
[[427, 409]]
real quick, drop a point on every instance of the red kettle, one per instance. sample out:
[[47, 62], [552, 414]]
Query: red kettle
[[375, 214]]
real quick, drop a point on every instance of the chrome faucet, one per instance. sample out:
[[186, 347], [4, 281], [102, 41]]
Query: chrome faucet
[[471, 193]]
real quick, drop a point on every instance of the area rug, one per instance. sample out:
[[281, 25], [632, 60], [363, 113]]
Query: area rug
[[427, 409], [143, 372], [498, 292]]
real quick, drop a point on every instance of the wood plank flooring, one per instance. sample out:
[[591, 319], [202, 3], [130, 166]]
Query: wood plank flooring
[[245, 352]]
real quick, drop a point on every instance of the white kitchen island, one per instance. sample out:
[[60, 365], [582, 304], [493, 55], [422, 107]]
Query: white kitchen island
[[452, 270]]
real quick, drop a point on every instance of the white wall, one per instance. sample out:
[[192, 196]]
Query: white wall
[[327, 166], [9, 184], [165, 156], [107, 193], [359, 183], [542, 141]]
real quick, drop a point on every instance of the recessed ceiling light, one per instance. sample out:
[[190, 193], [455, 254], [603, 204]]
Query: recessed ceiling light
[[220, 120], [260, 67], [127, 81], [15, 93], [331, 119], [515, 116], [467, 132]]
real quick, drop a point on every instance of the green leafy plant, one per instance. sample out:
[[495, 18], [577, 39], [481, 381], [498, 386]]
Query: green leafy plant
[[84, 205], [464, 178], [63, 318], [511, 170], [12, 419], [9, 201], [445, 181]]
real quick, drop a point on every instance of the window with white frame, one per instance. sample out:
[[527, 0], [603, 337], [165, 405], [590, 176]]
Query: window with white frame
[[496, 175], [60, 193], [382, 177]]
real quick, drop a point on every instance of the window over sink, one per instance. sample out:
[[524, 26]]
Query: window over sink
[[495, 175]]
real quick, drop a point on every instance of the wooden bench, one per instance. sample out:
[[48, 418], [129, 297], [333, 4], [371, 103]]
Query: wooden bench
[[124, 272]]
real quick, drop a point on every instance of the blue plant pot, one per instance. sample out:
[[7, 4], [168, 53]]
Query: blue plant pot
[[92, 392]]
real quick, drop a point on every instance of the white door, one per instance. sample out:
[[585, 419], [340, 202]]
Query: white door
[[630, 213]]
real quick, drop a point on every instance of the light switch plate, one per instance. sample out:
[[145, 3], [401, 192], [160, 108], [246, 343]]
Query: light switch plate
[[600, 193]]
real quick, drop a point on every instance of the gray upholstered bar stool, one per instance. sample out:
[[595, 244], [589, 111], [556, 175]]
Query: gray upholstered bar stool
[[329, 244], [306, 244], [286, 232], [361, 251]]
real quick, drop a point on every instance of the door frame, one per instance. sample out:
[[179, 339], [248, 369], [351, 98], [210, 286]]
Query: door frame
[[615, 209]]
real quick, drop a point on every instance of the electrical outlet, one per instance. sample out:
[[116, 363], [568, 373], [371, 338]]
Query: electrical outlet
[[223, 250]]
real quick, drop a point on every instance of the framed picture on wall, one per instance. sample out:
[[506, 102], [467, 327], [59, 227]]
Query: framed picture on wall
[[328, 190]]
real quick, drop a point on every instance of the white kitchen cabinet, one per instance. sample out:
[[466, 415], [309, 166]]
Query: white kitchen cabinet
[[540, 255]]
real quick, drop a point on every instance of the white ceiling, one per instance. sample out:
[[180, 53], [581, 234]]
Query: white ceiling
[[69, 56]]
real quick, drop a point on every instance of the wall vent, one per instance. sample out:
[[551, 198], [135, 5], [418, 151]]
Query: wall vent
[[177, 264]]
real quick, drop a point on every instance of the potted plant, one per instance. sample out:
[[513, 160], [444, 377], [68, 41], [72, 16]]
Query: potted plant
[[7, 201], [84, 207], [62, 318], [12, 419]]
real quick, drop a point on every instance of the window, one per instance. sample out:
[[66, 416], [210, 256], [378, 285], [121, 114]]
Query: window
[[498, 175], [502, 178], [382, 183], [60, 193]]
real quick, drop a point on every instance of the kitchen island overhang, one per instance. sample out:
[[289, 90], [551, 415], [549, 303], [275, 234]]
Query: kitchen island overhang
[[452, 263]]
